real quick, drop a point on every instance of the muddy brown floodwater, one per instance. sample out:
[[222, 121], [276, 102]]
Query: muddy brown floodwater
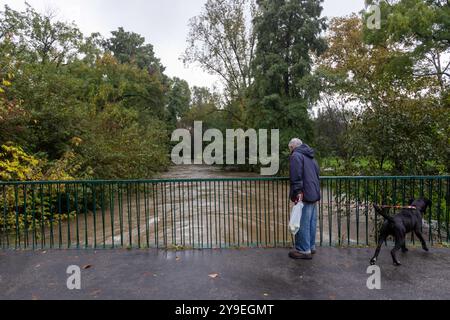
[[202, 207], [206, 214]]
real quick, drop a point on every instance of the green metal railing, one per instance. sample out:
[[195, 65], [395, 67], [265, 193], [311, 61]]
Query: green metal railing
[[204, 213]]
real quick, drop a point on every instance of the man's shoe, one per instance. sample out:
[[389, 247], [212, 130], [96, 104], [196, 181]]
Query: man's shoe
[[299, 256], [313, 251]]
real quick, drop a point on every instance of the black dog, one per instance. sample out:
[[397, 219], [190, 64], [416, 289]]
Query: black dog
[[408, 220]]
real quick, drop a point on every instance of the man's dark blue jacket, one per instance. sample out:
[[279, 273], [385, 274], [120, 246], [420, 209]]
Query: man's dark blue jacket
[[305, 174]]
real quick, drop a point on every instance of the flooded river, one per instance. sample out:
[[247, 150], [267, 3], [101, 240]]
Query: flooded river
[[199, 207], [234, 211]]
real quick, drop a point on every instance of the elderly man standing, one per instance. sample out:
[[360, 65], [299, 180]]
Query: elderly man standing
[[305, 186]]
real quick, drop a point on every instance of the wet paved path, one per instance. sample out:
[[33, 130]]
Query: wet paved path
[[254, 274]]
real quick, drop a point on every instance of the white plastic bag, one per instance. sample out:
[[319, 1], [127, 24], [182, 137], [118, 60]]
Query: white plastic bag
[[296, 217]]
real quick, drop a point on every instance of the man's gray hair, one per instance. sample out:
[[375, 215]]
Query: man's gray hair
[[295, 143]]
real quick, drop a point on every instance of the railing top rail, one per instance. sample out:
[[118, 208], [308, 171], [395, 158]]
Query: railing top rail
[[154, 181]]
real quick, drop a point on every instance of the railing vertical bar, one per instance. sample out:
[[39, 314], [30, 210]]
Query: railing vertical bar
[[228, 213], [358, 203], [112, 213], [285, 209], [348, 209], [266, 226], [172, 216], [197, 213], [67, 191], [155, 214], [439, 209], [164, 214], [77, 212], [5, 216], [240, 213], [59, 216], [447, 210], [190, 214], [210, 216], [375, 200], [251, 215], [339, 217], [207, 217], [182, 215], [430, 210], [25, 214], [193, 185], [200, 214], [43, 215], [330, 210], [366, 204], [221, 242], [413, 195], [275, 216], [94, 212], [120, 203], [137, 187], [103, 210], [279, 218], [33, 216], [16, 200], [147, 214], [233, 218], [129, 217], [394, 194], [247, 229], [215, 215], [85, 209], [257, 214], [320, 215]]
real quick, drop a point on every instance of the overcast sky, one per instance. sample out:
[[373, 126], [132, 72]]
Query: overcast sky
[[162, 22]]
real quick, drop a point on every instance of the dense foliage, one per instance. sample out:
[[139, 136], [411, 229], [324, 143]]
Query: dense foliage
[[99, 105], [369, 101]]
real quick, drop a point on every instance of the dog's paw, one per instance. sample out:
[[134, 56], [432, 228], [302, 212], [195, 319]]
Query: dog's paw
[[397, 264]]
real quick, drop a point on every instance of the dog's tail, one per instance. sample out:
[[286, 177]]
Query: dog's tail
[[383, 213]]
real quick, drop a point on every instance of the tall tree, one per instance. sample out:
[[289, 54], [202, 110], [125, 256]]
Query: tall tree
[[420, 29], [222, 41], [288, 36], [130, 47], [397, 118], [179, 99]]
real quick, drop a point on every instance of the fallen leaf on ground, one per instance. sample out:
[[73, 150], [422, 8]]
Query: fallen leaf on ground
[[88, 266], [96, 292], [214, 276]]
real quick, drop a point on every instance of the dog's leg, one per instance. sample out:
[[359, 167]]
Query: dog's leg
[[399, 244], [377, 252], [422, 240], [404, 248], [394, 251]]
